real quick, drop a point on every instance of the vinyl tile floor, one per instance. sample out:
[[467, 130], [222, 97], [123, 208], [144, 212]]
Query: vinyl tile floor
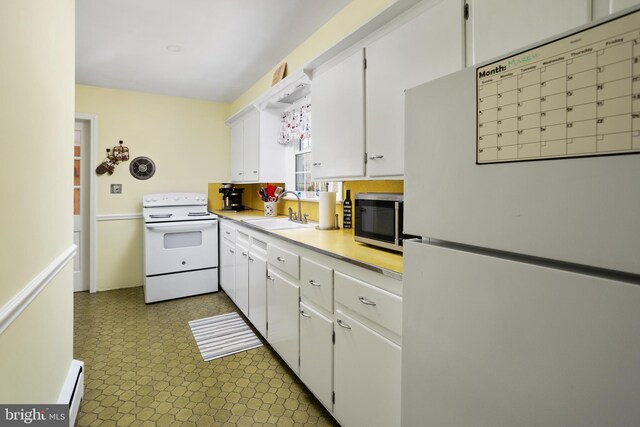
[[143, 368]]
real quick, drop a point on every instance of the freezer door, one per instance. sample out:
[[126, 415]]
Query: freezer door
[[491, 342], [580, 210]]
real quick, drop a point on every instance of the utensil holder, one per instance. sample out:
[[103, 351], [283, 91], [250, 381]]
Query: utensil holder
[[270, 208]]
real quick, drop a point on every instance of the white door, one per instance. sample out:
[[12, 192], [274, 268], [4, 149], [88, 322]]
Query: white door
[[282, 313], [228, 268], [338, 120], [242, 279], [496, 27], [316, 353], [402, 59], [81, 205], [250, 150], [258, 292], [237, 147], [495, 342], [366, 376]]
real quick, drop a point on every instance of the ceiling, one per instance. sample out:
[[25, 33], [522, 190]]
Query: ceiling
[[225, 45]]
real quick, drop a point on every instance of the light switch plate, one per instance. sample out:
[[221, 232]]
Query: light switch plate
[[116, 188]]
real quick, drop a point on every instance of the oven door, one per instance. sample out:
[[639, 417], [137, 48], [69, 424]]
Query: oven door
[[172, 247], [378, 222]]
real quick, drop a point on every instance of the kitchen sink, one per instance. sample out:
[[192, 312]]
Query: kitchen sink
[[277, 223]]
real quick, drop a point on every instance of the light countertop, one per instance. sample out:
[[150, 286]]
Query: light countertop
[[337, 243]]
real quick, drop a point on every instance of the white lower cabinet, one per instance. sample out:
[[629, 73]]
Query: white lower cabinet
[[316, 353], [336, 325], [366, 376], [283, 298], [258, 292], [228, 268], [242, 278]]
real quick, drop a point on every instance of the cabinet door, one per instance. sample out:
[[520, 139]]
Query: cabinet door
[[282, 317], [367, 376], [258, 292], [237, 147], [338, 120], [496, 27], [316, 353], [251, 145], [228, 268], [242, 279], [402, 59]]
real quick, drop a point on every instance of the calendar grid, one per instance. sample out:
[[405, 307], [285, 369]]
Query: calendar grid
[[576, 96]]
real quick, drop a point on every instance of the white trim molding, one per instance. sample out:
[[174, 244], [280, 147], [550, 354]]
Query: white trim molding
[[117, 217], [16, 305]]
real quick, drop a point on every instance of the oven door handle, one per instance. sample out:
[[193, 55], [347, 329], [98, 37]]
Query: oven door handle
[[182, 228]]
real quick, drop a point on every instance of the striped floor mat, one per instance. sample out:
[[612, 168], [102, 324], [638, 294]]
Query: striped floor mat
[[222, 335]]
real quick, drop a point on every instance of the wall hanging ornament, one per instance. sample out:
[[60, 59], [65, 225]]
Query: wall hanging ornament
[[118, 154], [142, 168]]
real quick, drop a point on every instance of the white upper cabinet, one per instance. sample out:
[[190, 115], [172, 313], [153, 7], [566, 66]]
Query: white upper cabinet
[[496, 27], [426, 47], [338, 120], [256, 155]]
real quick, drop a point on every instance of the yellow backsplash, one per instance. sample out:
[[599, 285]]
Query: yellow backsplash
[[251, 199]]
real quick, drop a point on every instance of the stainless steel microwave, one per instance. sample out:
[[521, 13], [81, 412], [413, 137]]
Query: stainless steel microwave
[[378, 219]]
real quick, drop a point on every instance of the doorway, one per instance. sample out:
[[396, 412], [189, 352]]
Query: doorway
[[83, 202]]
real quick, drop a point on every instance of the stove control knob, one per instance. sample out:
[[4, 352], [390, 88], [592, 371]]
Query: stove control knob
[[177, 198], [147, 200], [154, 199]]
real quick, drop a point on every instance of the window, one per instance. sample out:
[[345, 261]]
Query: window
[[300, 171]]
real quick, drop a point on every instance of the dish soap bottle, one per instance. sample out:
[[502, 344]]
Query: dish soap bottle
[[346, 211]]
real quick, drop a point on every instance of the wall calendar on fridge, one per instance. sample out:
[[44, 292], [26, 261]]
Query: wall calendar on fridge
[[573, 97]]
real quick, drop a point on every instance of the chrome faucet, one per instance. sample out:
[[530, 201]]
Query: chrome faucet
[[295, 217]]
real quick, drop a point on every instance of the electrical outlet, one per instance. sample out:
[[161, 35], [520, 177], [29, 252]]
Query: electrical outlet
[[116, 188]]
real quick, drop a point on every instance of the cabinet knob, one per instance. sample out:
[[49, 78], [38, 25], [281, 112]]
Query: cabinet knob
[[366, 301], [232, 251], [379, 156], [270, 278], [244, 254], [250, 259], [314, 283], [303, 314], [317, 163], [343, 325], [239, 173], [280, 259], [255, 171]]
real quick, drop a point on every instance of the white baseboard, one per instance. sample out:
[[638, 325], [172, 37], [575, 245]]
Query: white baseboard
[[72, 391]]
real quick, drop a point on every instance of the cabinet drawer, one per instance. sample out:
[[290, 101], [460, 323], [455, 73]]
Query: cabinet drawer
[[316, 284], [227, 232], [284, 260], [373, 303]]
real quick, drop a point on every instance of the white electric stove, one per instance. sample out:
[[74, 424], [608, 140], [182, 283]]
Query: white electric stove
[[180, 246]]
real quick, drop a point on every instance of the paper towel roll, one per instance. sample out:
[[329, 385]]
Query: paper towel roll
[[327, 210]]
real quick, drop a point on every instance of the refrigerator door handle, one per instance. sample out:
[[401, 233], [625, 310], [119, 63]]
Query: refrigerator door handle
[[397, 223]]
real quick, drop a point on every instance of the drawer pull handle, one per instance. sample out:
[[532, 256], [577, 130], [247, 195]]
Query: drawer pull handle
[[244, 254], [366, 301], [250, 259], [314, 283], [270, 278], [379, 156], [227, 232], [303, 314], [343, 325], [280, 259], [232, 251]]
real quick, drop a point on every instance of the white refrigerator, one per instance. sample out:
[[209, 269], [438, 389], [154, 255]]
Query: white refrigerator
[[522, 298]]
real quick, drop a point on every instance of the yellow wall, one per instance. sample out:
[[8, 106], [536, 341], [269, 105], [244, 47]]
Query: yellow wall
[[187, 140], [36, 178], [351, 17]]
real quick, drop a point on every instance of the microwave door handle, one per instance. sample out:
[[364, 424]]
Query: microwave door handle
[[397, 223]]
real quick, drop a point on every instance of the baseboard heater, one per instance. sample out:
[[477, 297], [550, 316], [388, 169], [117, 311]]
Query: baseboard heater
[[73, 390]]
